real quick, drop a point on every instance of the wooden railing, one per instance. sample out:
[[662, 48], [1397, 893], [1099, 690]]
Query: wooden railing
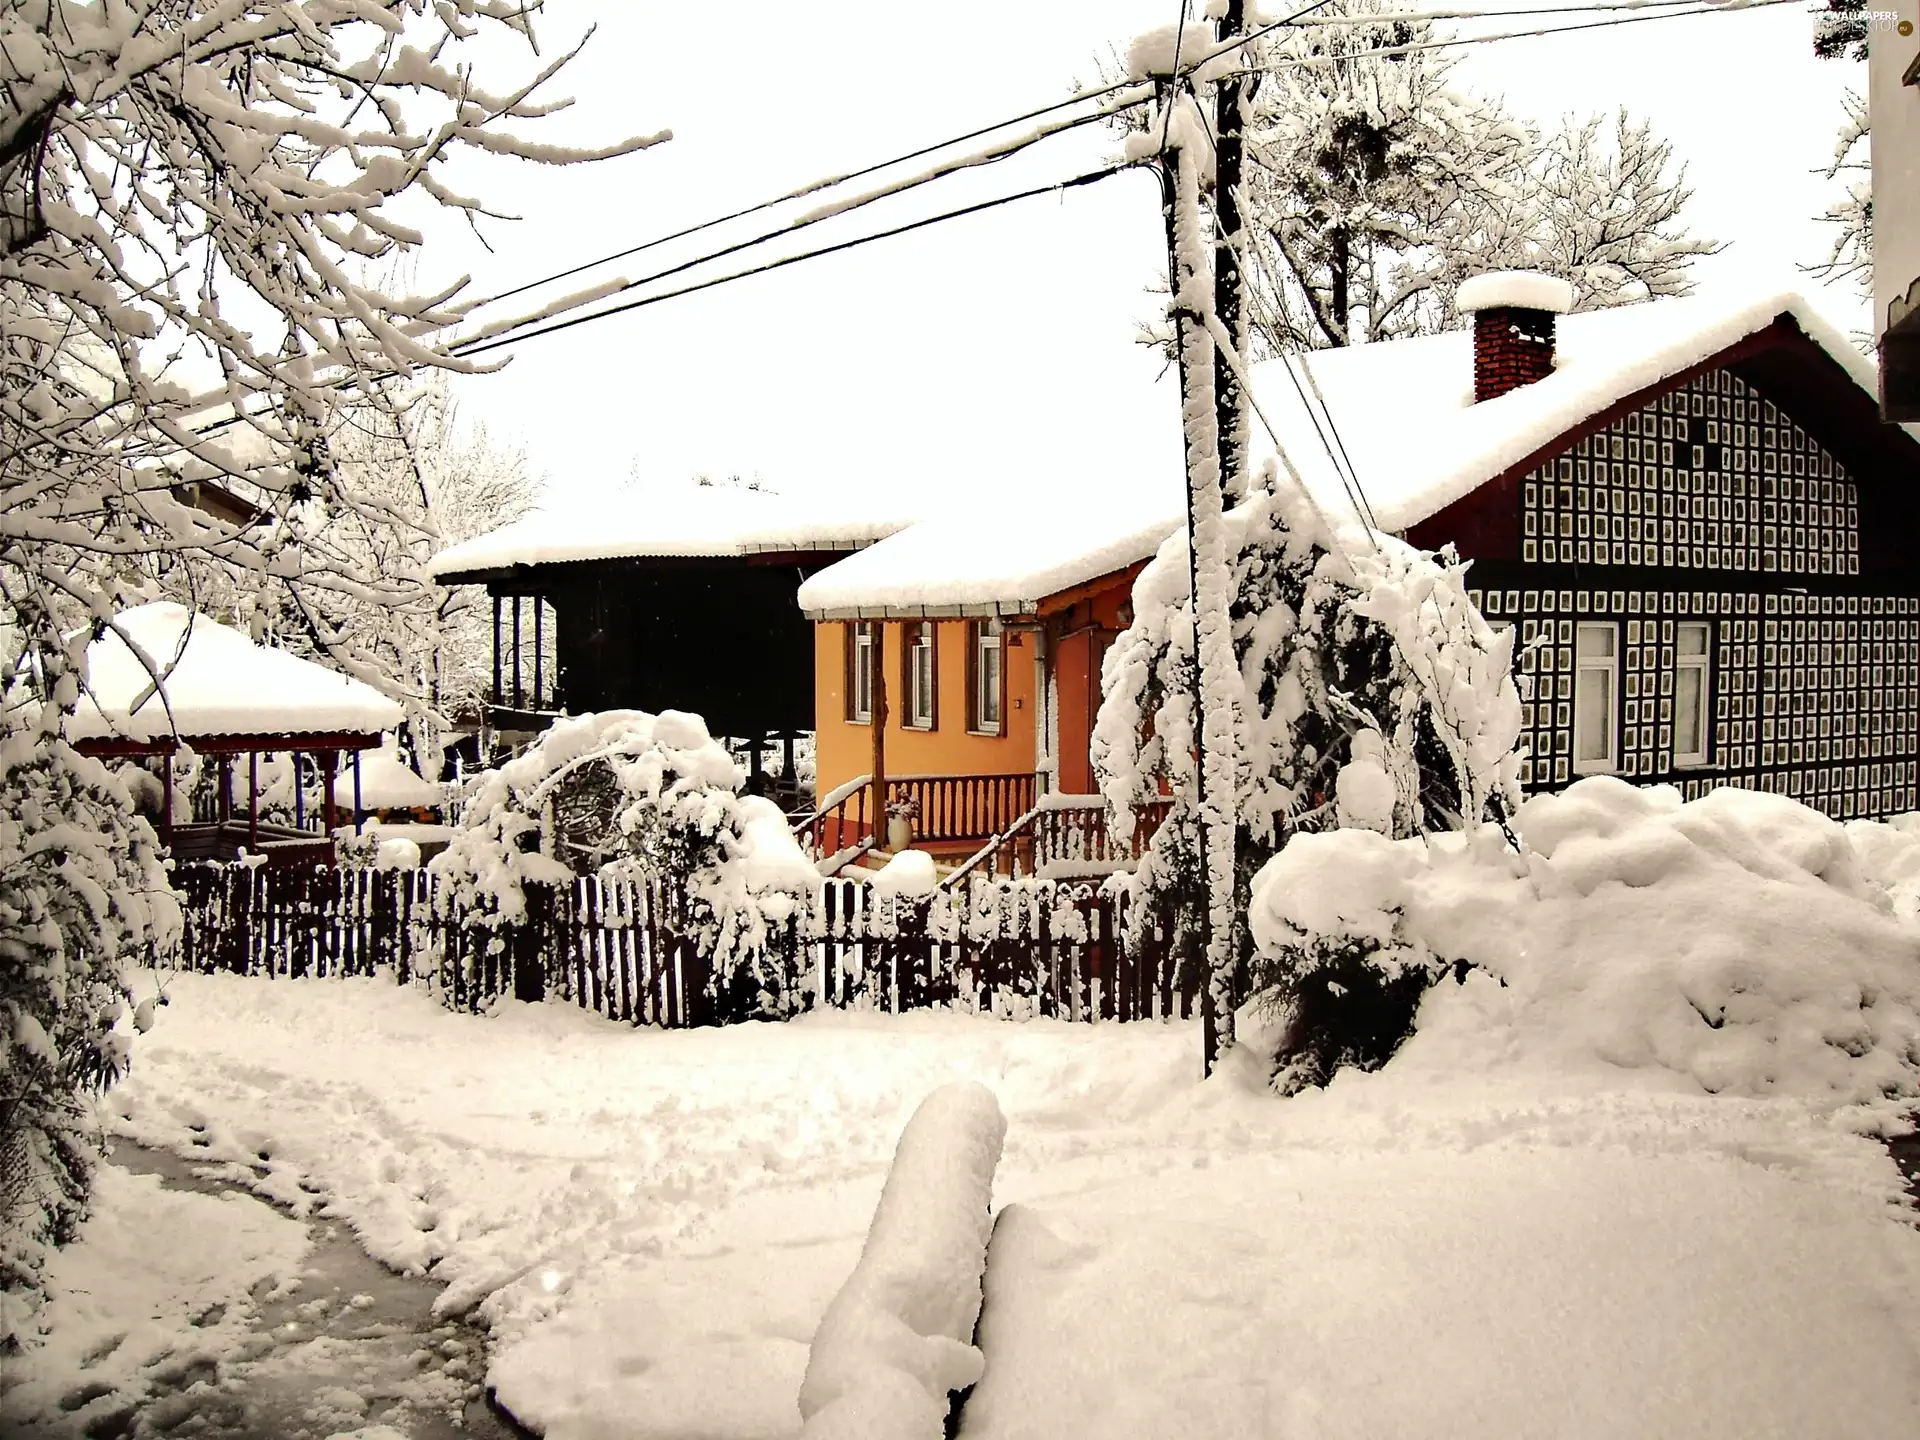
[[1062, 837], [841, 822], [962, 807], [1070, 836]]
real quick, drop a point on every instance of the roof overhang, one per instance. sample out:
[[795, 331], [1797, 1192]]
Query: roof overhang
[[988, 610]]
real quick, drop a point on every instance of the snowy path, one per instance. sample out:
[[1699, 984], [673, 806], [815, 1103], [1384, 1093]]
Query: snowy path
[[188, 1307], [651, 1224]]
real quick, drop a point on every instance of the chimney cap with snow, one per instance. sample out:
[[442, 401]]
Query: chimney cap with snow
[[1514, 290]]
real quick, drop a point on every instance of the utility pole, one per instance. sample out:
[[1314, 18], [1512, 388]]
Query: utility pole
[[1230, 429], [1191, 262], [1229, 285]]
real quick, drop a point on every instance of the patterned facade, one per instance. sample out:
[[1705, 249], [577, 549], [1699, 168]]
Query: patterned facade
[[1711, 508]]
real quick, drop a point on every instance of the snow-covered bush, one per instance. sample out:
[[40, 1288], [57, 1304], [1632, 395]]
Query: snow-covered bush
[[672, 810], [898, 1338], [1737, 943], [1369, 692], [82, 893]]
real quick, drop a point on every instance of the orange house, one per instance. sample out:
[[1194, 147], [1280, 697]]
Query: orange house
[[957, 671]]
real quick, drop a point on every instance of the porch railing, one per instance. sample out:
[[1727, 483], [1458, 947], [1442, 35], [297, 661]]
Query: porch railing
[[962, 807]]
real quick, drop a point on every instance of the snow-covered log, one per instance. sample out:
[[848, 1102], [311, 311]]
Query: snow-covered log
[[898, 1338]]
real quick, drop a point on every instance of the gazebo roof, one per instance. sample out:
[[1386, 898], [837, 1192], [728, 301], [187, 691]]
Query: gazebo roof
[[220, 686]]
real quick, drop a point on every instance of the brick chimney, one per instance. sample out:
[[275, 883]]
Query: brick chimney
[[1513, 314]]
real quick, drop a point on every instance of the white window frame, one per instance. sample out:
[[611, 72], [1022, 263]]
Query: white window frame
[[1701, 663], [860, 647], [920, 678], [986, 637], [1596, 666]]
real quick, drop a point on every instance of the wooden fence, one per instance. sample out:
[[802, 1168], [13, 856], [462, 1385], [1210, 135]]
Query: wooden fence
[[626, 949]]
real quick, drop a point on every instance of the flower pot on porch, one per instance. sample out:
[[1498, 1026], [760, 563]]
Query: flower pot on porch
[[899, 833]]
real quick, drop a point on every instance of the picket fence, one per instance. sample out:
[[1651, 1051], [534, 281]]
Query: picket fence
[[623, 947]]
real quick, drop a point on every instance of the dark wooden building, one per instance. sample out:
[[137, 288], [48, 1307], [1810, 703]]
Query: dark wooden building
[[682, 601]]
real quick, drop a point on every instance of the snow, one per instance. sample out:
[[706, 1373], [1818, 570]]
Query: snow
[[1441, 446], [387, 783], [653, 1224], [694, 520], [160, 1285], [1002, 551], [909, 872], [222, 683], [1732, 944], [998, 553], [898, 1338], [1521, 289]]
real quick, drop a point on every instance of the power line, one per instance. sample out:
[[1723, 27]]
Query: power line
[[812, 188], [1055, 187], [1014, 146]]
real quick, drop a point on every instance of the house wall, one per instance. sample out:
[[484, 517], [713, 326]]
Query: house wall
[[1080, 635], [1711, 503], [844, 748]]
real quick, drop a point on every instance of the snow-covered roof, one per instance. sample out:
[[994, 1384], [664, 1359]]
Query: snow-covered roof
[[218, 683], [1403, 410], [694, 520], [387, 783], [997, 554]]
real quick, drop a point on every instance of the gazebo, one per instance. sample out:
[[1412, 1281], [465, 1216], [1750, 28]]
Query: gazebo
[[224, 696]]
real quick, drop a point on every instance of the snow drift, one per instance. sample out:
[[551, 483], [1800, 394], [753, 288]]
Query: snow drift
[[1740, 942], [898, 1338]]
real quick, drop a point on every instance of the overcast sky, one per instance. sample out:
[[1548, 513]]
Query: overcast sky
[[1000, 346]]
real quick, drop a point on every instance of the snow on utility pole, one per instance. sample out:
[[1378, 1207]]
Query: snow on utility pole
[[1229, 401], [1185, 158]]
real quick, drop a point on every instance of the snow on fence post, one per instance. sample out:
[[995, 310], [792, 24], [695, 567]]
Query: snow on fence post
[[897, 1340]]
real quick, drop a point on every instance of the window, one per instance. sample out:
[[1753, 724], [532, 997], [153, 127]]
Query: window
[[860, 641], [987, 679], [917, 676], [1692, 685], [1596, 692]]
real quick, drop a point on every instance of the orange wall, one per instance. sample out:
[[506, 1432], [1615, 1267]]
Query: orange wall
[[844, 749]]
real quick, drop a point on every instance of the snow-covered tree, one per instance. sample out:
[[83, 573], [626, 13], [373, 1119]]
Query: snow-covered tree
[[1601, 210], [1850, 257], [1368, 692], [190, 192], [421, 480], [1366, 171], [1840, 30], [1376, 185], [653, 797], [82, 892]]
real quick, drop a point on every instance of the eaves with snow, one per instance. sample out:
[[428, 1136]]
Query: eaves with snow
[[217, 683], [1402, 413], [694, 521]]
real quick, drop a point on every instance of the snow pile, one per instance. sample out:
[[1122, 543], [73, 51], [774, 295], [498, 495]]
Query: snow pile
[[1889, 852], [908, 873], [898, 1338], [1734, 942], [386, 782], [217, 682], [1519, 289], [396, 853]]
